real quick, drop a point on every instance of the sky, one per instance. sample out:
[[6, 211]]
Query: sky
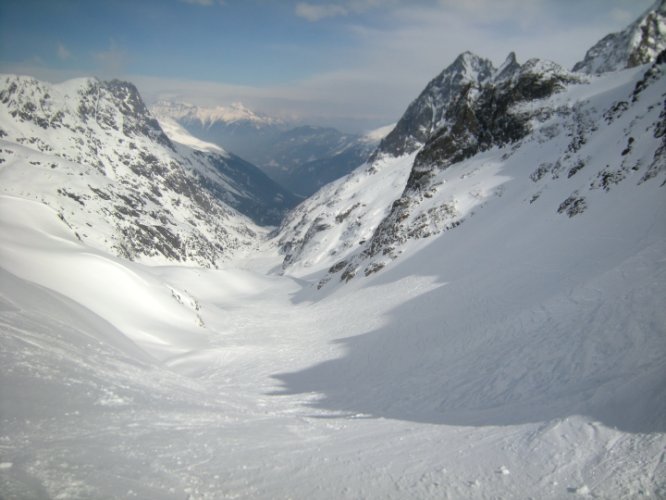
[[353, 64]]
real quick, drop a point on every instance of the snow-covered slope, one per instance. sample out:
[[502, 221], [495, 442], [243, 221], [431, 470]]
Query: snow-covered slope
[[178, 133], [639, 43], [523, 358], [342, 216], [92, 152]]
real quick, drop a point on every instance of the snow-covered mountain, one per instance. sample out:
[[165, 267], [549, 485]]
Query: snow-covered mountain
[[92, 152], [639, 43], [301, 158], [564, 139]]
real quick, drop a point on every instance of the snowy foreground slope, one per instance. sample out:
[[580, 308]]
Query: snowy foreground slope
[[531, 368]]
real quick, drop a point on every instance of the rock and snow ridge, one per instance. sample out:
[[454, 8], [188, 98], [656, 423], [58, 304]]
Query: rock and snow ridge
[[425, 114], [93, 153], [639, 43]]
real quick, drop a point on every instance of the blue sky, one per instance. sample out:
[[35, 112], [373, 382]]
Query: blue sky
[[350, 63]]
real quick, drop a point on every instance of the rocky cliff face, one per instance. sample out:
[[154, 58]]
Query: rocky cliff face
[[93, 152], [427, 113]]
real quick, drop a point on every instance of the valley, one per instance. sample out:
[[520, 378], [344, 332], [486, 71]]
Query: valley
[[474, 311]]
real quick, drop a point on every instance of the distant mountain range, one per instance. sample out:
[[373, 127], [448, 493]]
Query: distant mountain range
[[301, 158]]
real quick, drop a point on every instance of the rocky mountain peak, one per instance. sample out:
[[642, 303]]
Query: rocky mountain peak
[[477, 121], [426, 114], [640, 43], [507, 69], [471, 67]]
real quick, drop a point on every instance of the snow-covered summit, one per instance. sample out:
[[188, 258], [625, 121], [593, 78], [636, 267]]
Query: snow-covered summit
[[464, 79], [639, 43]]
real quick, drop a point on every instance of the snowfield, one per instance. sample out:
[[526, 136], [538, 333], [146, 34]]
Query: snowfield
[[524, 357]]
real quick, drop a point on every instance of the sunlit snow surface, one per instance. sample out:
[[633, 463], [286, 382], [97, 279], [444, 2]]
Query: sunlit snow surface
[[522, 354]]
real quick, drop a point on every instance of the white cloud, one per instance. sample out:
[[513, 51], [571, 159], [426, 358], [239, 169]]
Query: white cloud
[[62, 52], [204, 3], [313, 12], [316, 12]]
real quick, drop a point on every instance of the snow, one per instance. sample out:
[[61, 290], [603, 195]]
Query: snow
[[130, 300], [74, 153], [350, 208], [523, 369], [177, 133], [640, 42], [527, 363], [521, 354]]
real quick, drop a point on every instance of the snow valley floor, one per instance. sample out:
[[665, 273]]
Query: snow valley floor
[[531, 368]]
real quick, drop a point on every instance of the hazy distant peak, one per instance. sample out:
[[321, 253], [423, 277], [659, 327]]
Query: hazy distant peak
[[207, 116]]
